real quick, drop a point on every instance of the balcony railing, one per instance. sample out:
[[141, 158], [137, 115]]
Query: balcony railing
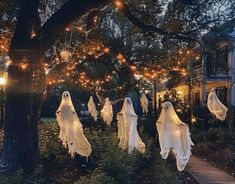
[[209, 73], [197, 73], [217, 72]]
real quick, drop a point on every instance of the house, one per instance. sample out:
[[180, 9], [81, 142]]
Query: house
[[215, 69]]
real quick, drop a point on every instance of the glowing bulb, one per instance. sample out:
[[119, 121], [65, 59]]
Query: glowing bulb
[[80, 28], [119, 5], [67, 29], [133, 67], [8, 63], [119, 56], [24, 66], [33, 34], [106, 50], [179, 92], [3, 81]]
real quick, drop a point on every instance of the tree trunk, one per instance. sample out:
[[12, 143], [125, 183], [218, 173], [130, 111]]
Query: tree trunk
[[24, 95]]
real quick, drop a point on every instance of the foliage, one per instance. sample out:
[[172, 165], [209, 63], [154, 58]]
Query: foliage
[[182, 107], [96, 178], [215, 138], [37, 177], [107, 163], [16, 178]]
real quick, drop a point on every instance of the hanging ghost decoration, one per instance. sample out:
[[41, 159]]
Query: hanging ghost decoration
[[65, 55], [71, 131], [215, 106], [144, 103], [173, 135], [127, 128], [107, 112], [92, 108]]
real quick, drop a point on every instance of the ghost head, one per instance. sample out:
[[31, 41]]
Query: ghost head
[[66, 95], [66, 99], [107, 100], [212, 90], [167, 105], [127, 107], [128, 101]]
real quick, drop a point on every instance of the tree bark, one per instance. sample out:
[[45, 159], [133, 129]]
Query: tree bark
[[24, 95]]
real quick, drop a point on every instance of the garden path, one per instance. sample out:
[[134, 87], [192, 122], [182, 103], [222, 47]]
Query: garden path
[[205, 173]]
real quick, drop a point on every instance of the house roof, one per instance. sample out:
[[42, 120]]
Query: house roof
[[224, 32]]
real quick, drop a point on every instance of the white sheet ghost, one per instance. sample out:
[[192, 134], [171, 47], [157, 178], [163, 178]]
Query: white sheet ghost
[[107, 112], [71, 131], [215, 106], [127, 128], [144, 103], [173, 135], [92, 108]]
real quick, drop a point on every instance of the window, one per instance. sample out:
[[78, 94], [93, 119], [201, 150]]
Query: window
[[217, 63], [222, 94], [197, 99]]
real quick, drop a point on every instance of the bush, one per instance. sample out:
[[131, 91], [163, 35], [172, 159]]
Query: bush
[[96, 178], [106, 165], [16, 178]]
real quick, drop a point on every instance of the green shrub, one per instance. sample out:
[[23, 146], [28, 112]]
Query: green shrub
[[107, 163], [96, 178], [16, 178], [37, 177]]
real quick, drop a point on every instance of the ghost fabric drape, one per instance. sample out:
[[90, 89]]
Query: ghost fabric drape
[[215, 106], [173, 134], [144, 104], [107, 112], [71, 131], [127, 128], [92, 108]]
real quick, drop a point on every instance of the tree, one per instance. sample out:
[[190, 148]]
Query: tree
[[27, 80]]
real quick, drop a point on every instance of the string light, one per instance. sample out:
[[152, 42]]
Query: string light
[[24, 66], [80, 28], [106, 50], [97, 49], [33, 34], [119, 4], [67, 29]]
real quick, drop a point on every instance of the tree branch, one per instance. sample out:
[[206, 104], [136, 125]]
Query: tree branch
[[26, 19], [62, 18], [152, 28]]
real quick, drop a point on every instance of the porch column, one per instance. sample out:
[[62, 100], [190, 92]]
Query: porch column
[[232, 89], [203, 83]]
